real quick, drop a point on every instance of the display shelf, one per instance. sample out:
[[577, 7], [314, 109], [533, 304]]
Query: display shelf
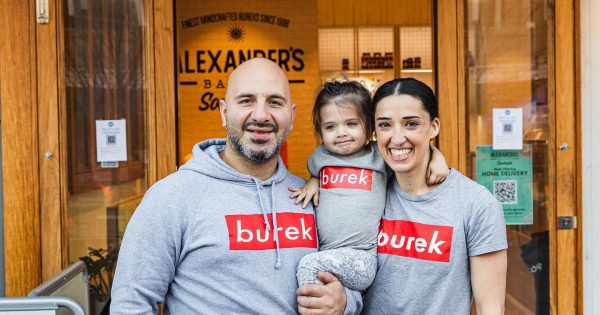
[[416, 70], [373, 55], [371, 71], [335, 45]]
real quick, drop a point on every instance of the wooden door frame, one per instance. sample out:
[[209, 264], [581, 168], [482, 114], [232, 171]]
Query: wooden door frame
[[566, 295], [18, 77], [34, 111]]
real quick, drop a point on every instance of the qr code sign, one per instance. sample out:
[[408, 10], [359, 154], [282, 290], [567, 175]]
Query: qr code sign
[[506, 191]]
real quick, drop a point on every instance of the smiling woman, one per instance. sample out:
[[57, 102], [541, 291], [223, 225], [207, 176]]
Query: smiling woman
[[447, 242]]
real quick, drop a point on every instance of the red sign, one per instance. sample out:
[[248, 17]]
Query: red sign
[[416, 240], [346, 177], [248, 232]]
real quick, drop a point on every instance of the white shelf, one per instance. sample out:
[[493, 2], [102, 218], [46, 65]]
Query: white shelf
[[416, 70], [373, 71]]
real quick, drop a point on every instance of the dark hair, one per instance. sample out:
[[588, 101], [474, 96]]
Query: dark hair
[[348, 93], [408, 86]]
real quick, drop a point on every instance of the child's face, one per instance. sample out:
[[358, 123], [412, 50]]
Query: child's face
[[342, 129]]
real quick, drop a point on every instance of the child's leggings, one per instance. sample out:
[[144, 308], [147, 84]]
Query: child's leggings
[[354, 268]]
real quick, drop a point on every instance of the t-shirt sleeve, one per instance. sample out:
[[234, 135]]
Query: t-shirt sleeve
[[486, 229], [313, 164]]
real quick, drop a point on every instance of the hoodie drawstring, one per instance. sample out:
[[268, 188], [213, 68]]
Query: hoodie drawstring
[[275, 231], [273, 214], [262, 207]]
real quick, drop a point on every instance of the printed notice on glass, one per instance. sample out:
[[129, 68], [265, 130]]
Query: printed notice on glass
[[111, 140], [507, 174], [508, 129]]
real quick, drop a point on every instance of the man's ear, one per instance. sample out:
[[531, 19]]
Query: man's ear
[[293, 115], [222, 110], [435, 128]]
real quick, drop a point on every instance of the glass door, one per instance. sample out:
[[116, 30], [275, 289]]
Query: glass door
[[508, 95], [106, 129]]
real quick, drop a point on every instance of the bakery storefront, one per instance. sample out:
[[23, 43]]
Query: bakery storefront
[[112, 95]]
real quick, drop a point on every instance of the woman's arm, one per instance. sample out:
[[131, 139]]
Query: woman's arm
[[488, 281]]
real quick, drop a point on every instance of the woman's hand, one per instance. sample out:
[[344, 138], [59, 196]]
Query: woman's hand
[[306, 193]]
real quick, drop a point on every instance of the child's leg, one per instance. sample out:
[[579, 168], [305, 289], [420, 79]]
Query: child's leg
[[354, 268]]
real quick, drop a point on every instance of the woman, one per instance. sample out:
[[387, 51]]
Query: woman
[[439, 246]]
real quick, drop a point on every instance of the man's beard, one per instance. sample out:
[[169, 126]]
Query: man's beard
[[257, 156]]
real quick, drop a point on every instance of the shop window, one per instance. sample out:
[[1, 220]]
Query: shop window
[[374, 55], [508, 48], [104, 46], [336, 50], [416, 54]]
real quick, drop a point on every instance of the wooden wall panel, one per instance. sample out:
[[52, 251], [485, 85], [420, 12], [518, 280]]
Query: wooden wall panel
[[448, 81], [48, 113], [164, 75], [325, 13], [150, 96], [410, 12], [370, 13], [19, 145], [363, 10], [461, 84], [578, 24], [343, 12], [566, 166]]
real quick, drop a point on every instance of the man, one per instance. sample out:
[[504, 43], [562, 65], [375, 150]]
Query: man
[[221, 235]]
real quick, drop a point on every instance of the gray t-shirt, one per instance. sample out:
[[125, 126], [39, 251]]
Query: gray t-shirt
[[351, 197], [424, 246]]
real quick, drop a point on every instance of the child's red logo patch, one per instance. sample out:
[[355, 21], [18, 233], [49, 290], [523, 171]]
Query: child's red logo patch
[[416, 240], [346, 177], [248, 232]]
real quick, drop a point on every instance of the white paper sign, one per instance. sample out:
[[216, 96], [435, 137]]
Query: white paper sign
[[508, 129], [111, 140]]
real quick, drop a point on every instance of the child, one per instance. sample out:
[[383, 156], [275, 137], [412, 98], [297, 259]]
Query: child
[[353, 179]]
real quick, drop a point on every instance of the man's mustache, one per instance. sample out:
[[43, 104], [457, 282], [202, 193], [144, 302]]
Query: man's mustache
[[261, 125]]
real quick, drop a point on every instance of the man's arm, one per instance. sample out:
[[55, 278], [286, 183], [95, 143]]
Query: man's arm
[[488, 281], [147, 258], [330, 298]]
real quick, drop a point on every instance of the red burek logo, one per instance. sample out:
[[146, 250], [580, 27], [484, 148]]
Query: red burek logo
[[346, 177], [248, 232], [416, 240]]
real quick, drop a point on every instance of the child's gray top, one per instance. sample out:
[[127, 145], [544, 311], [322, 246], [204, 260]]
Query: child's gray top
[[352, 197]]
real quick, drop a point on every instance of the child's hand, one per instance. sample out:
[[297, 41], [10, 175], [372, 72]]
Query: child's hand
[[438, 169], [306, 193]]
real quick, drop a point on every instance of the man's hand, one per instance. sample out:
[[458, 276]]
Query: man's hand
[[329, 298]]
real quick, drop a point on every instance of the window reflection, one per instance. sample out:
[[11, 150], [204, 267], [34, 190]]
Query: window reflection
[[507, 60], [104, 78]]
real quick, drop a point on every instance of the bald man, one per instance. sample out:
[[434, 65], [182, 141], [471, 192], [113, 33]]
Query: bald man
[[221, 235]]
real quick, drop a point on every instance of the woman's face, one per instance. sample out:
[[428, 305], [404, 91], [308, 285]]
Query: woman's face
[[404, 129]]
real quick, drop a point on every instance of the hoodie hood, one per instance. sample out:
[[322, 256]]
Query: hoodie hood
[[206, 160]]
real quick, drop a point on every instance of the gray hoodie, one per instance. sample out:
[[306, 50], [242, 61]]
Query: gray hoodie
[[202, 242]]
